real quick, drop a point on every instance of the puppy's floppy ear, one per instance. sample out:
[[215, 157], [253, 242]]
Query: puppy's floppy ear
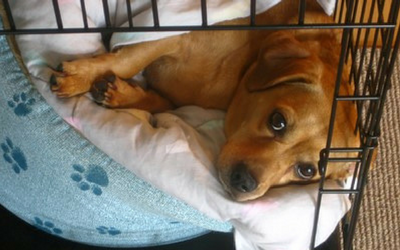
[[281, 59]]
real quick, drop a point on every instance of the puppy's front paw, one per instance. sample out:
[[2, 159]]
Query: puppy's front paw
[[71, 79], [99, 90], [113, 92]]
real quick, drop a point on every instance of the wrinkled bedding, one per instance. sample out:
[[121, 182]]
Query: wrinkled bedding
[[174, 151]]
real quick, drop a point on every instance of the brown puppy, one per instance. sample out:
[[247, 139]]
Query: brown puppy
[[276, 87]]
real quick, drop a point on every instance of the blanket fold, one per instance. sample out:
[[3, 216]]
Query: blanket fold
[[178, 154]]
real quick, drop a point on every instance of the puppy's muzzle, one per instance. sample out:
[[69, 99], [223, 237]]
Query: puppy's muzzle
[[242, 180]]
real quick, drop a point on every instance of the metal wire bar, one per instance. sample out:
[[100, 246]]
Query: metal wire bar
[[156, 19], [357, 98], [383, 84], [354, 12], [302, 11], [366, 162], [359, 181], [106, 13], [355, 174], [370, 80], [381, 4], [345, 41], [84, 14], [204, 18], [352, 20], [345, 150], [325, 152], [191, 28], [354, 72], [335, 10], [389, 66], [129, 12], [9, 15], [391, 58], [339, 191], [384, 37], [57, 13], [341, 11], [358, 75], [362, 60], [343, 159], [350, 50], [253, 12], [322, 164]]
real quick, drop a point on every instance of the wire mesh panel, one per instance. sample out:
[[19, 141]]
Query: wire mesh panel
[[342, 20], [371, 52], [370, 43]]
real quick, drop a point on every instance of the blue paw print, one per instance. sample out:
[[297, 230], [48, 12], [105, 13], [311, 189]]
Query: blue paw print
[[14, 156], [92, 178], [21, 104], [105, 230], [47, 226]]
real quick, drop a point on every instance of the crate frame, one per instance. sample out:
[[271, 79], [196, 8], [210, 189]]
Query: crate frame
[[363, 28]]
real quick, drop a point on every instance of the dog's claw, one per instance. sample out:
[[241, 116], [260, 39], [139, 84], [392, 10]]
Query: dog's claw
[[100, 89], [97, 91], [112, 86], [101, 85], [108, 95], [60, 68], [53, 82], [62, 96], [110, 78]]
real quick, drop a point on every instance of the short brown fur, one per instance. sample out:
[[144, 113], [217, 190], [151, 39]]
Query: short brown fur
[[249, 74]]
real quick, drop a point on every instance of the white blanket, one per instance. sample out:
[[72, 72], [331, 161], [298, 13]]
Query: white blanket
[[177, 155]]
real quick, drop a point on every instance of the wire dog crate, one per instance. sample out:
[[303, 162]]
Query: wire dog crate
[[369, 28]]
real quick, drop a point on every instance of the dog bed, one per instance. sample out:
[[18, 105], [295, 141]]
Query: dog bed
[[124, 177]]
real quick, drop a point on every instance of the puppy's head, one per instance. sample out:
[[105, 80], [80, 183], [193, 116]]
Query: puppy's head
[[278, 120]]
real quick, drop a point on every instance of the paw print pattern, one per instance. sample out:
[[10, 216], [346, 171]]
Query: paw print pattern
[[21, 104], [14, 156], [47, 226], [105, 230], [93, 178]]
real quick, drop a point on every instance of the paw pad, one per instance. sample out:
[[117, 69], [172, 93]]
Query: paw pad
[[105, 230], [21, 104], [14, 156], [47, 226], [98, 90], [93, 178]]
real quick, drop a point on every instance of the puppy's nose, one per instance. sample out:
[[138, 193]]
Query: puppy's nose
[[241, 179]]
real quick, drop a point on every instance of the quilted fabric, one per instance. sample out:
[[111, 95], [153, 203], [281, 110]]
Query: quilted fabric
[[55, 179]]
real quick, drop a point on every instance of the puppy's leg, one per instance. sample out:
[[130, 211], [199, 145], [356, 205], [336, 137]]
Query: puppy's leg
[[114, 92], [77, 77]]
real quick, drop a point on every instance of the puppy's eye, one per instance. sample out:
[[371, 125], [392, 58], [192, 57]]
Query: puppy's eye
[[305, 171], [277, 122]]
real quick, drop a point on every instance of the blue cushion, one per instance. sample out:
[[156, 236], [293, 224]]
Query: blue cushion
[[53, 178]]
